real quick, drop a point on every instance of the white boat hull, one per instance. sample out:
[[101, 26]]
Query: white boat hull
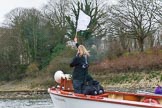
[[72, 101], [63, 102]]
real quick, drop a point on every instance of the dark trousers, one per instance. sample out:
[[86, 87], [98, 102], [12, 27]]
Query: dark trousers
[[78, 85]]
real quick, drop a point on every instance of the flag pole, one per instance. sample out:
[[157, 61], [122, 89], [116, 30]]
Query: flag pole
[[75, 38], [76, 34]]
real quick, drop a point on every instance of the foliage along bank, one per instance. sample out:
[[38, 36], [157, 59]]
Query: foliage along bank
[[33, 38]]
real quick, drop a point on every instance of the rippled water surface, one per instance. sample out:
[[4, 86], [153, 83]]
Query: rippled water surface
[[26, 103]]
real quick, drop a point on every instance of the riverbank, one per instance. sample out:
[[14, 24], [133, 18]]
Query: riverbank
[[24, 94], [17, 91], [22, 89], [37, 94], [44, 94], [125, 82]]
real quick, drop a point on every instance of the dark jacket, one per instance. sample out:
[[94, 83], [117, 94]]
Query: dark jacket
[[79, 73]]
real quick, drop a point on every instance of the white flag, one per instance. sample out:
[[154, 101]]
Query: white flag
[[83, 21]]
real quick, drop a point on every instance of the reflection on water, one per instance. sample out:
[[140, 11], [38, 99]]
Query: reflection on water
[[26, 103]]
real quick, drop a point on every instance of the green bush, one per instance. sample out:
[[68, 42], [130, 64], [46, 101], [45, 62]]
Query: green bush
[[16, 72], [62, 60], [57, 50], [32, 69]]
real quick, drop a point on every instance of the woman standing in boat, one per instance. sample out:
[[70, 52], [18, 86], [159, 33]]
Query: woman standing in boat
[[80, 64]]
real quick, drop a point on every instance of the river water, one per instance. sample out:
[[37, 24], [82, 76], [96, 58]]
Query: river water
[[26, 103]]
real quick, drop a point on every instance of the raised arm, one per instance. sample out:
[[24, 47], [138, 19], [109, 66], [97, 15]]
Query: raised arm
[[76, 41]]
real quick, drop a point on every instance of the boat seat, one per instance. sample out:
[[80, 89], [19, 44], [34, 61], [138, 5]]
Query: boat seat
[[66, 84]]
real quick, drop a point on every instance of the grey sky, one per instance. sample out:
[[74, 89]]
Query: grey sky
[[7, 5]]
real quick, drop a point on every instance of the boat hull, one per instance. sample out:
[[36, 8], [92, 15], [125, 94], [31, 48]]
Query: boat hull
[[64, 102], [72, 101]]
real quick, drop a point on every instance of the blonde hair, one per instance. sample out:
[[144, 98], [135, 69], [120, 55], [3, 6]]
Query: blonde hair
[[82, 50]]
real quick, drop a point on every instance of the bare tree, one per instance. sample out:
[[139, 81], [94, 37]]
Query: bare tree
[[135, 18], [54, 14], [94, 9], [13, 22], [26, 29]]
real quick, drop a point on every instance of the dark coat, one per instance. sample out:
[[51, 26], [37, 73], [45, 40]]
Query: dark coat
[[79, 73]]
